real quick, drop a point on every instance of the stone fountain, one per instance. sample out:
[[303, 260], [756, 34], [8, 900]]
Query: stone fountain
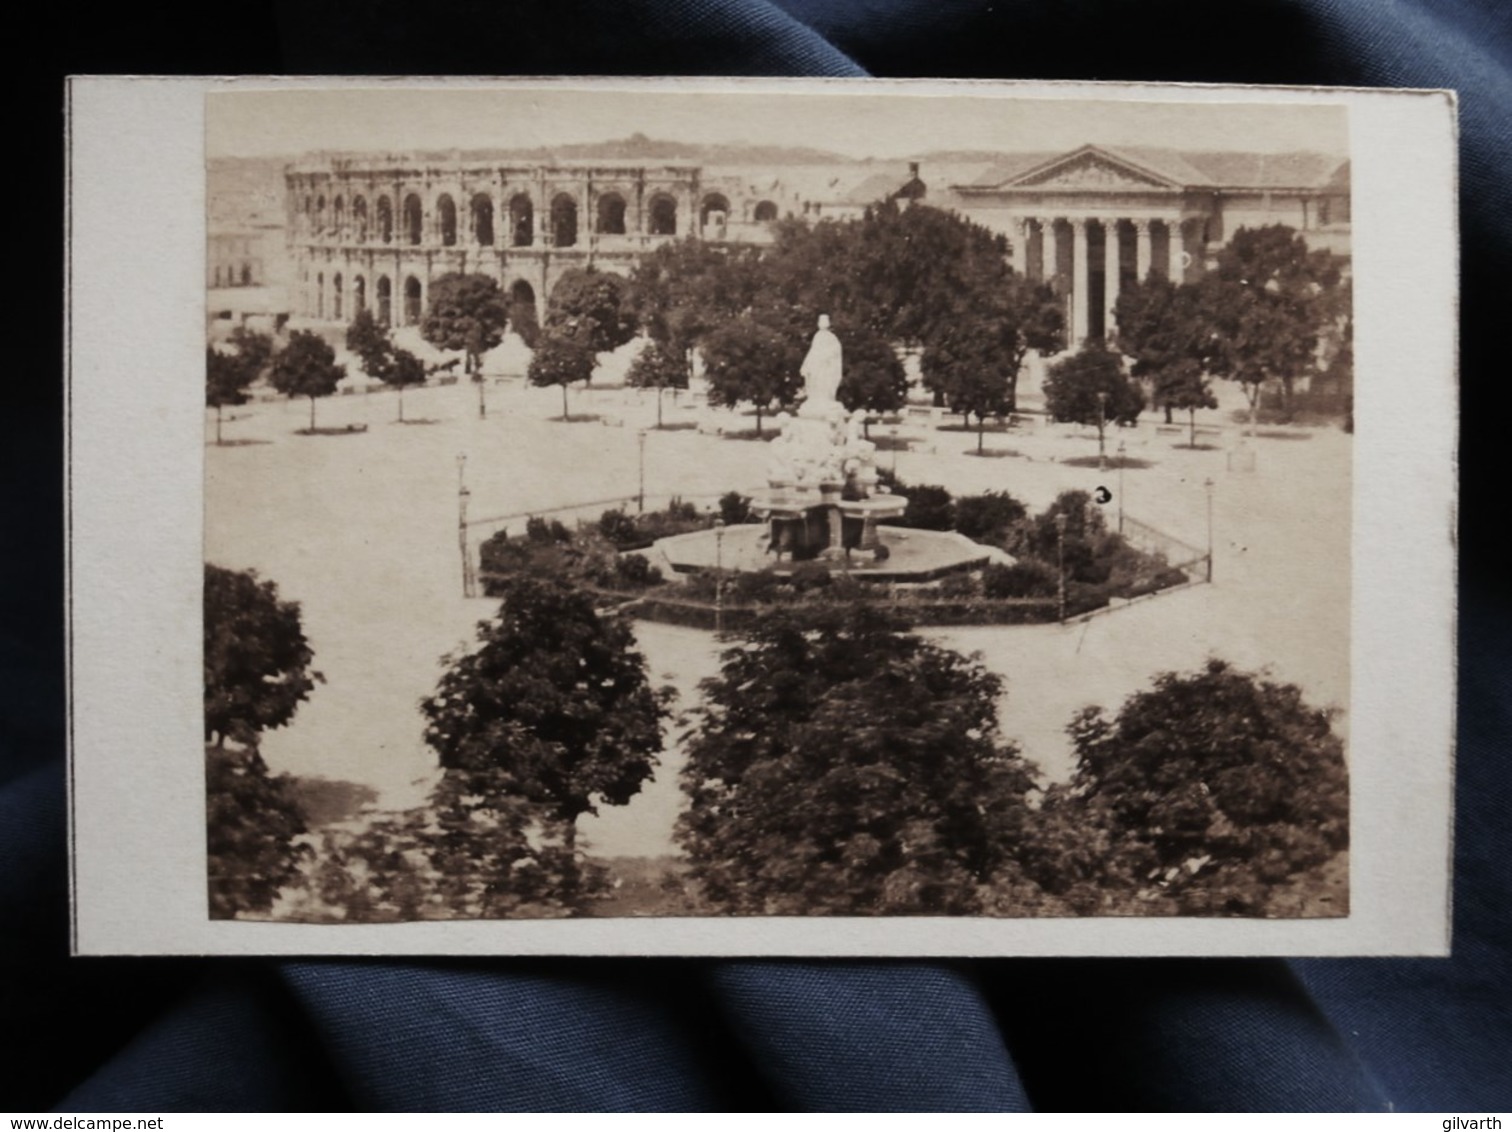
[[822, 498]]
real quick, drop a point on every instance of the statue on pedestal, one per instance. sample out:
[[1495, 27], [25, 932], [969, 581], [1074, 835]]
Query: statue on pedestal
[[821, 372]]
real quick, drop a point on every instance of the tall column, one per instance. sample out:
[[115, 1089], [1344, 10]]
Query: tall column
[[1081, 308], [1141, 250], [1046, 250], [1112, 282], [1019, 232], [1173, 252]]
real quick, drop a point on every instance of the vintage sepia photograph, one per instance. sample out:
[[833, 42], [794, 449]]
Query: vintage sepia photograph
[[640, 504], [760, 517]]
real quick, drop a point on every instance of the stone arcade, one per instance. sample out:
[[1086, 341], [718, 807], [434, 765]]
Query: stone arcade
[[374, 231]]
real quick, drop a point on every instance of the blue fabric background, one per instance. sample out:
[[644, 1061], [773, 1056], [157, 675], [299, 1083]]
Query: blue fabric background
[[658, 1034]]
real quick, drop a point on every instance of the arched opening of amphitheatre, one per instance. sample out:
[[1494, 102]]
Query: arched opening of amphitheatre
[[611, 215], [713, 214], [385, 301], [359, 295], [522, 310], [446, 216], [413, 219], [336, 296], [411, 300], [320, 295], [360, 218], [766, 211], [338, 217], [564, 221], [483, 219], [663, 216], [320, 216], [521, 221], [385, 220]]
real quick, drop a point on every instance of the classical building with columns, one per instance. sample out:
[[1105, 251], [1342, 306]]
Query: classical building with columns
[[374, 231], [1094, 220]]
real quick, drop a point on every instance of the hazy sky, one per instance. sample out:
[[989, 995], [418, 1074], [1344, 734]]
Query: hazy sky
[[386, 116]]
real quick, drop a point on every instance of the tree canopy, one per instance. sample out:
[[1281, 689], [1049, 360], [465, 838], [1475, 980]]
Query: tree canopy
[[873, 378], [252, 827], [227, 375], [559, 361], [658, 367], [369, 342], [747, 362], [1090, 388], [1267, 304], [257, 661], [554, 702], [306, 367], [393, 365], [844, 766], [467, 313], [909, 276], [1213, 786], [592, 309]]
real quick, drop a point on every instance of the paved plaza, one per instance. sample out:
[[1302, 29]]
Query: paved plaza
[[362, 530]]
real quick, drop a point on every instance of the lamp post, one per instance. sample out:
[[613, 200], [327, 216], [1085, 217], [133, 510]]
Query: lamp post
[[892, 434], [1207, 486], [1121, 450], [1060, 555], [719, 529], [469, 580], [1102, 418], [482, 405], [640, 495]]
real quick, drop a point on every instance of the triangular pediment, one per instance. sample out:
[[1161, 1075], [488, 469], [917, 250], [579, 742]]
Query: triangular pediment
[[1091, 169]]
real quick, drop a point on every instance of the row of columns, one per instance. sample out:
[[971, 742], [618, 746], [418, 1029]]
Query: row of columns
[[1082, 323]]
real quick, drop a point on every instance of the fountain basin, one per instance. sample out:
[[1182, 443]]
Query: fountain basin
[[913, 556]]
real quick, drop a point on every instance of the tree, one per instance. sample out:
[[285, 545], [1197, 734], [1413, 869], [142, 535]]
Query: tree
[[1226, 784], [257, 672], [1183, 385], [845, 766], [368, 341], [400, 370], [684, 290], [658, 367], [593, 309], [257, 661], [554, 701], [746, 362], [306, 367], [253, 348], [226, 382], [1089, 387], [252, 829], [873, 376], [1162, 328], [1267, 303], [967, 365], [1027, 316], [228, 375], [467, 313], [475, 852], [559, 361], [393, 365]]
